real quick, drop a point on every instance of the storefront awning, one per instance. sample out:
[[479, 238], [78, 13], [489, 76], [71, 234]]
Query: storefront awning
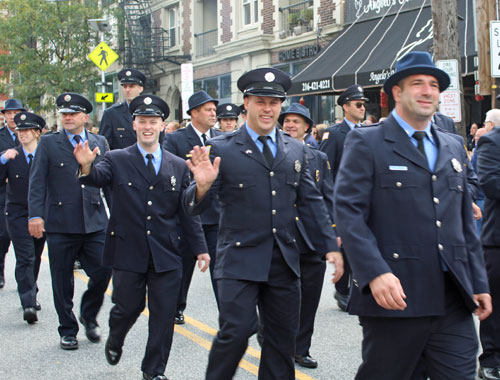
[[366, 52]]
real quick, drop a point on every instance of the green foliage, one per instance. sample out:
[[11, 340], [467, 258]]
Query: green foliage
[[46, 46]]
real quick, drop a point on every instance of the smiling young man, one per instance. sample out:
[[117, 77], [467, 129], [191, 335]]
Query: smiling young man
[[143, 238], [404, 212], [260, 177]]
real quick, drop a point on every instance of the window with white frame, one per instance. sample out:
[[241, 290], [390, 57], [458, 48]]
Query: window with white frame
[[250, 11], [173, 25]]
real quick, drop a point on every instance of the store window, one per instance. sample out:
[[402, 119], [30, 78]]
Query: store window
[[217, 87]]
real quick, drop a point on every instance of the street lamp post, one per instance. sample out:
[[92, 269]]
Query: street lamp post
[[101, 26]]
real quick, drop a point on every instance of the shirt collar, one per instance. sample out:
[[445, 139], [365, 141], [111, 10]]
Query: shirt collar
[[409, 129], [207, 133], [350, 123], [156, 154], [254, 135], [13, 134], [71, 135], [26, 153]]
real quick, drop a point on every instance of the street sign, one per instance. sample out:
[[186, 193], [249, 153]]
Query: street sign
[[450, 66], [104, 97], [495, 48], [103, 56], [186, 87], [450, 105]]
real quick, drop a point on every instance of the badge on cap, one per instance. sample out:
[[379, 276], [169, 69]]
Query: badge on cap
[[173, 181], [128, 73], [229, 108], [360, 89], [269, 77], [23, 117], [148, 100], [298, 166], [67, 97], [456, 165]]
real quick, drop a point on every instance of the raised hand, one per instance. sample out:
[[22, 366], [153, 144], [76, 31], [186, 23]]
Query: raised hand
[[10, 154], [84, 156], [204, 172]]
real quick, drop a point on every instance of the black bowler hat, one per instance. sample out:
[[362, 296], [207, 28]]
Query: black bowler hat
[[265, 81], [13, 104], [354, 92], [199, 98], [149, 105], [131, 76], [227, 111], [413, 63], [297, 109], [28, 120], [69, 102]]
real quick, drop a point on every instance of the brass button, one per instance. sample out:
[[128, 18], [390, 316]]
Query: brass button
[[62, 164], [274, 230], [148, 232], [148, 217], [434, 178], [399, 184], [112, 233], [17, 175], [271, 174], [395, 255], [273, 212], [121, 135], [294, 240], [191, 204], [273, 193], [438, 223], [83, 186], [238, 243], [151, 187], [436, 200], [59, 203], [440, 247], [297, 218], [459, 187], [150, 203], [241, 185], [130, 183]]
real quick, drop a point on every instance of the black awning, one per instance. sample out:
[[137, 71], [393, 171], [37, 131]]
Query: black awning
[[366, 52]]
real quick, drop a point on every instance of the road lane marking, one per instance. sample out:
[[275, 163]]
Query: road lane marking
[[244, 364]]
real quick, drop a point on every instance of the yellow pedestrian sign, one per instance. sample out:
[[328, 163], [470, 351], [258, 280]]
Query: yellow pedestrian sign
[[103, 56], [104, 97]]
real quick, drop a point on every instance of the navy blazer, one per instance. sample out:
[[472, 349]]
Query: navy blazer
[[445, 122], [116, 126], [333, 146], [6, 142], [488, 171], [395, 215], [17, 172], [145, 212], [180, 143], [319, 168], [258, 203], [55, 194]]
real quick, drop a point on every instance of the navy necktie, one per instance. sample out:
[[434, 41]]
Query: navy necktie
[[77, 138], [267, 151], [419, 136], [30, 159], [151, 167]]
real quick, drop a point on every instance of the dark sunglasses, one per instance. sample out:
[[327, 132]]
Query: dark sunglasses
[[359, 105]]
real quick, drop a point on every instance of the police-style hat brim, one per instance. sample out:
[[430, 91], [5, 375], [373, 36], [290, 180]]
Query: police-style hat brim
[[21, 127], [72, 110], [149, 105], [131, 76], [268, 82], [343, 101], [440, 75], [70, 102], [13, 105]]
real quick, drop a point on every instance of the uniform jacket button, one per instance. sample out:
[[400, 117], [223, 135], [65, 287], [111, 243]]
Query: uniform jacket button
[[399, 184], [83, 186], [238, 243], [395, 255], [150, 203]]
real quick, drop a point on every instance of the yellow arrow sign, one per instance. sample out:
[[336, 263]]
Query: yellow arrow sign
[[104, 97], [103, 56]]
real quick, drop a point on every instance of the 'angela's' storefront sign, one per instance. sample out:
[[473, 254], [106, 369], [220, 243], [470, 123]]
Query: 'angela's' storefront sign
[[301, 52]]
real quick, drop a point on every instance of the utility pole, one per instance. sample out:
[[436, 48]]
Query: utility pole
[[486, 10], [446, 42]]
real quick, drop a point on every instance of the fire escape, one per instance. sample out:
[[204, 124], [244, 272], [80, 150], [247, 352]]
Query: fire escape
[[145, 44]]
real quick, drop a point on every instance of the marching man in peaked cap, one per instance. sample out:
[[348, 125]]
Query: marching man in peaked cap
[[260, 177]]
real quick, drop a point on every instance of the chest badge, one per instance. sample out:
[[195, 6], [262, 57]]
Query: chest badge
[[297, 166], [317, 175], [456, 165], [173, 181]]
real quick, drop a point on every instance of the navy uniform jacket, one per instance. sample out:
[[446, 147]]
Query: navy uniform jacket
[[257, 206], [334, 145], [180, 143], [319, 168], [145, 211], [116, 126], [445, 122], [6, 142], [16, 210], [395, 215], [488, 170], [55, 194]]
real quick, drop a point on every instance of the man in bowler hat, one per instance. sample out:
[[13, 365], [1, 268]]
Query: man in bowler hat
[[227, 116], [73, 217], [8, 139], [202, 109], [404, 212], [142, 240], [260, 177], [353, 103], [297, 122]]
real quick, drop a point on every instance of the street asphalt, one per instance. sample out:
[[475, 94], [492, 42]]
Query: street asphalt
[[32, 351]]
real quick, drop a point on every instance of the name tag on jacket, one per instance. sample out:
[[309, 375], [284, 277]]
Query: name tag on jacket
[[398, 168]]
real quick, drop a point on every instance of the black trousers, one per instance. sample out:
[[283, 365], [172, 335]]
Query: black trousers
[[343, 285], [189, 263], [63, 250], [489, 329], [4, 240], [129, 297], [278, 300], [28, 251], [312, 274], [400, 348]]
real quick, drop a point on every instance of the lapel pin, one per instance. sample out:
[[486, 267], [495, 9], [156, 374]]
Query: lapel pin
[[248, 151], [297, 165], [317, 175]]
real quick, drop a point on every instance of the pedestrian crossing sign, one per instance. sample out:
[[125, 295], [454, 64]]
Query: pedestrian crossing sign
[[104, 97], [103, 56]]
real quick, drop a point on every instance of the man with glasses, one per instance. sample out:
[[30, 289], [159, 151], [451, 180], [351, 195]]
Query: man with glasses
[[352, 102]]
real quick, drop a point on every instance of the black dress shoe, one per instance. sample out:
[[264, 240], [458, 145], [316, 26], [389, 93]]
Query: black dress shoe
[[179, 318], [69, 342], [306, 361], [112, 352], [2, 282], [91, 330], [489, 373], [29, 315], [341, 300], [38, 307], [145, 376]]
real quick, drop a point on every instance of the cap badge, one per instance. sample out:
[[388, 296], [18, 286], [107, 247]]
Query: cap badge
[[23, 117], [229, 108], [173, 181], [128, 73], [148, 100], [67, 97], [360, 89], [456, 165], [270, 77], [297, 166]]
